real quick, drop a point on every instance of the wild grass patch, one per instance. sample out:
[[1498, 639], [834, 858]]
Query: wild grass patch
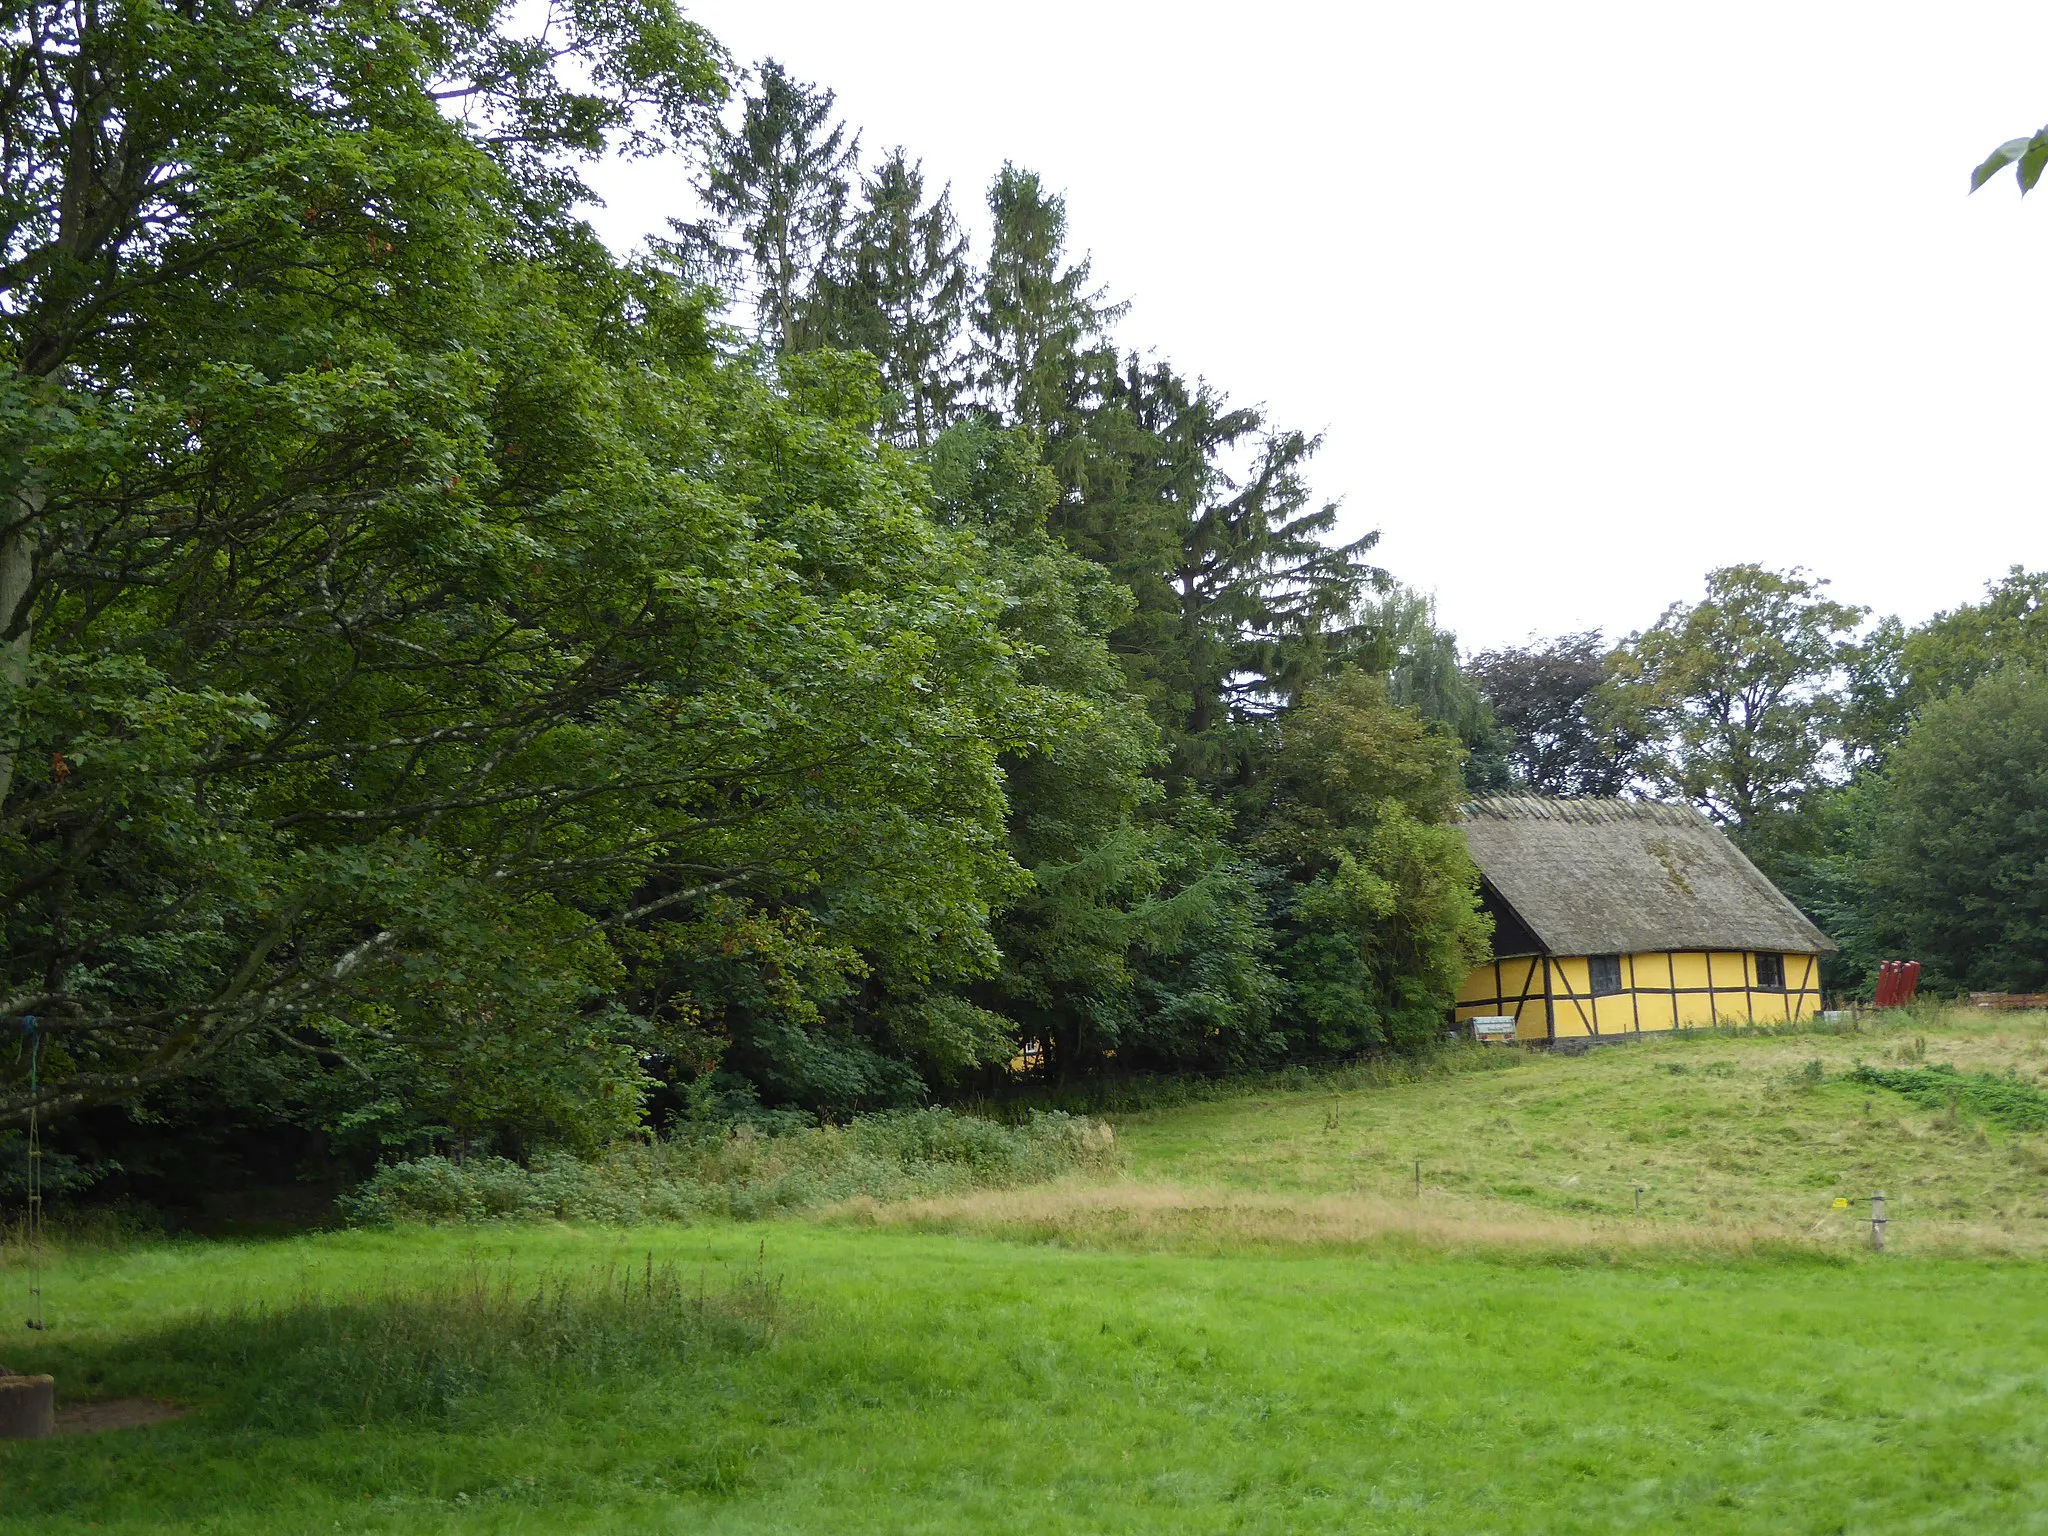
[[742, 1172], [1211, 1221], [2002, 1099], [435, 1347]]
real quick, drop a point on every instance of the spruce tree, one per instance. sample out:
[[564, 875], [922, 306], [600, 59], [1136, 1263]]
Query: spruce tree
[[778, 184], [1038, 345], [901, 294], [1242, 600]]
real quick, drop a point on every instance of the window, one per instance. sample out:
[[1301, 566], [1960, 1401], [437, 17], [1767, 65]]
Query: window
[[1770, 973], [1606, 973]]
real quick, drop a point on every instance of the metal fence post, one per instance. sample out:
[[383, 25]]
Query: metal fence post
[[1877, 1222]]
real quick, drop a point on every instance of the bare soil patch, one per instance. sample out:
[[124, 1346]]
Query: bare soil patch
[[115, 1413]]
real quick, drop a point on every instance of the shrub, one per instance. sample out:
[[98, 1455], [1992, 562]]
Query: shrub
[[740, 1171]]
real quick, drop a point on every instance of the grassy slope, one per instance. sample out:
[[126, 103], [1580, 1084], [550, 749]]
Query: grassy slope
[[944, 1382], [1720, 1131]]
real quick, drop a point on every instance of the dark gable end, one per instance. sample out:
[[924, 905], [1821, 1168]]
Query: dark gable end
[[1599, 877], [1511, 936]]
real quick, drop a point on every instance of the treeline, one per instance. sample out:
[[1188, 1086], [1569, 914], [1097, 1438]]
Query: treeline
[[1893, 780], [468, 692], [465, 691]]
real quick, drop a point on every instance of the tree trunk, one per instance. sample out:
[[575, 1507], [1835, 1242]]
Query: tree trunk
[[18, 545]]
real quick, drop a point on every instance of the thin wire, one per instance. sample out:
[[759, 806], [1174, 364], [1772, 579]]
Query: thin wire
[[35, 1181]]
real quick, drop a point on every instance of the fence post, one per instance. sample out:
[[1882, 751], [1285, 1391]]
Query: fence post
[[1877, 1222]]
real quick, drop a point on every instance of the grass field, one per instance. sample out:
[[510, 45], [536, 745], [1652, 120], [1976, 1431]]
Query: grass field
[[1260, 1328]]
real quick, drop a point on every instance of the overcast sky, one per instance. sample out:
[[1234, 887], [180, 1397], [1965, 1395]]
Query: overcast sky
[[1586, 299]]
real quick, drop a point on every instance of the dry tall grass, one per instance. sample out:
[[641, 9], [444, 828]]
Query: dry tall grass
[[1185, 1219]]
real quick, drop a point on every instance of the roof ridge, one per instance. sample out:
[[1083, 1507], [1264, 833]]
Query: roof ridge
[[1583, 809]]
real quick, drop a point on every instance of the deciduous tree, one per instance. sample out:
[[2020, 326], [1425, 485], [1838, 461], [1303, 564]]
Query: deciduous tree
[[1730, 696], [1545, 697], [1959, 837]]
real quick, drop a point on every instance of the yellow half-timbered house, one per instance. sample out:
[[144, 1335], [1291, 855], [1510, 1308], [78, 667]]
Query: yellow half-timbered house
[[1616, 917]]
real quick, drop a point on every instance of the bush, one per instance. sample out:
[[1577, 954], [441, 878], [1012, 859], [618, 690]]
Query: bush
[[739, 1171]]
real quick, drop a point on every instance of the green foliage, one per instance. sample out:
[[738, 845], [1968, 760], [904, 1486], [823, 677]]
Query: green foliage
[[2027, 156], [1958, 836], [406, 630], [1426, 676], [901, 295], [1038, 327], [1823, 867], [2003, 1100], [776, 187], [1729, 695], [1241, 593], [1896, 673], [1385, 923], [738, 1171], [457, 695]]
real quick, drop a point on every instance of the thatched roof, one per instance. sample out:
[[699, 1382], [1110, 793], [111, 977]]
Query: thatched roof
[[1598, 877]]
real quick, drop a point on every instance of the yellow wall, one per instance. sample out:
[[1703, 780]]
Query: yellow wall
[[1661, 990]]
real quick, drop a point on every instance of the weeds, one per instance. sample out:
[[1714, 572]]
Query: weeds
[[1175, 1218], [2005, 1101], [741, 1172], [435, 1348]]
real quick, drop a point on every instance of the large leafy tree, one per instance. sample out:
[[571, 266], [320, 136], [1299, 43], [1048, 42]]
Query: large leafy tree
[[206, 209], [1895, 673], [1958, 837], [158, 162], [1544, 695], [423, 611], [1399, 628], [1731, 697], [1380, 923]]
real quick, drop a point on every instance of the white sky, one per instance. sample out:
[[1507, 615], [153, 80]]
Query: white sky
[[1587, 297]]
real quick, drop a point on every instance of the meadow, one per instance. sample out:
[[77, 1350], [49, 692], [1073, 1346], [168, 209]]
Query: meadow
[[1257, 1325]]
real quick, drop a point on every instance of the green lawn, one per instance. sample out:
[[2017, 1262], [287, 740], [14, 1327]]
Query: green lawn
[[853, 1375]]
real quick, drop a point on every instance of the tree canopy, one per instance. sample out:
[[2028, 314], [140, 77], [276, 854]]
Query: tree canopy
[[459, 691]]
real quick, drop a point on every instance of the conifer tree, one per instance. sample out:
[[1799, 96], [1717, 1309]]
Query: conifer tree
[[777, 184], [1038, 326], [1245, 599], [902, 294]]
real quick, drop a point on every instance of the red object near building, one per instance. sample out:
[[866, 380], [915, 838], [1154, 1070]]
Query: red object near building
[[1897, 981]]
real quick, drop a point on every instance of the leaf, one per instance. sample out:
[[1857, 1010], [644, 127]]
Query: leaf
[[2031, 163], [1997, 161], [2031, 154]]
